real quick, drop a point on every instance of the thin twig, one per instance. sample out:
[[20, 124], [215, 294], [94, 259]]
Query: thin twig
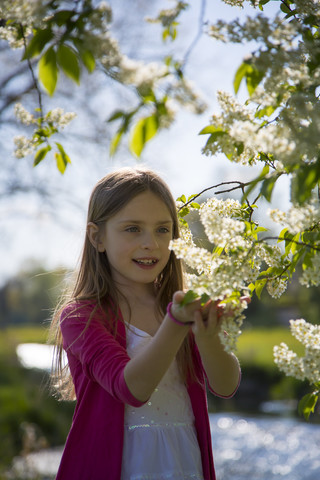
[[239, 185], [35, 81], [296, 242], [198, 34]]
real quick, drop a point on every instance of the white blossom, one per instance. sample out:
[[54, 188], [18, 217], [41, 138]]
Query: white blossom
[[59, 117], [25, 117], [277, 286], [23, 146], [167, 16], [311, 274], [297, 218], [308, 366]]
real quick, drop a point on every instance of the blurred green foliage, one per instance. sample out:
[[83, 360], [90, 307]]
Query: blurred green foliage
[[26, 404], [30, 296]]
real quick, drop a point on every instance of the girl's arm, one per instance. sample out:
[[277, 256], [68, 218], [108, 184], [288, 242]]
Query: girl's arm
[[143, 373], [222, 368]]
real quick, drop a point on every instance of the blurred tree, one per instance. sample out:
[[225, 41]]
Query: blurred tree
[[30, 296]]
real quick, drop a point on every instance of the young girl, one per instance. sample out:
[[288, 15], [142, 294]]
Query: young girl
[[137, 360]]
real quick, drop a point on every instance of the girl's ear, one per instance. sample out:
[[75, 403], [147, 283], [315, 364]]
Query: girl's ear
[[94, 237]]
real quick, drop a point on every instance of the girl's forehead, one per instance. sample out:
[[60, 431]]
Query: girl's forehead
[[146, 204]]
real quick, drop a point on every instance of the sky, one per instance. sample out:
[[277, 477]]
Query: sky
[[54, 237]]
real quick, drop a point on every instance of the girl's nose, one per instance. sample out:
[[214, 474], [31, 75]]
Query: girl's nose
[[149, 241]]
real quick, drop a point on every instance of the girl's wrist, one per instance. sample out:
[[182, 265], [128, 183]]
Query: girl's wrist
[[173, 318]]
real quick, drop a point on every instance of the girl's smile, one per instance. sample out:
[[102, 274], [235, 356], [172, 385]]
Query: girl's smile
[[146, 262]]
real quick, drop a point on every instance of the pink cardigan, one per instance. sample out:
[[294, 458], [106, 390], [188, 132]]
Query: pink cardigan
[[93, 450]]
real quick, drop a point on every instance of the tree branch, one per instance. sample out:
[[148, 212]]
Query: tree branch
[[198, 34], [241, 185]]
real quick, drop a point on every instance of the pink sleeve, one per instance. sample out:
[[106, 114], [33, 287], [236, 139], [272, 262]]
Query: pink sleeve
[[101, 356]]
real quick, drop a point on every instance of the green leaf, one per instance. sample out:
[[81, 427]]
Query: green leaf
[[37, 43], [252, 75], [182, 199], [255, 182], [189, 297], [211, 129], [143, 131], [62, 158], [282, 235], [259, 286], [165, 33], [88, 60], [305, 179], [253, 78], [284, 8], [62, 16], [40, 155], [268, 185], [294, 246], [307, 404], [69, 62], [48, 70], [266, 111], [239, 76], [217, 251], [114, 144], [116, 115]]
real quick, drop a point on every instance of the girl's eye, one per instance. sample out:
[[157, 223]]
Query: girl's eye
[[132, 229], [164, 230]]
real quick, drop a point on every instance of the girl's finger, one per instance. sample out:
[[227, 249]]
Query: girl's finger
[[198, 324]]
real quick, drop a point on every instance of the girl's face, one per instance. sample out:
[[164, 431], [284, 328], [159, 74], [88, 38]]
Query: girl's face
[[136, 240]]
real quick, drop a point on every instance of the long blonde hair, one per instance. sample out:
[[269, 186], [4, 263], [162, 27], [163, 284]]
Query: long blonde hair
[[94, 281]]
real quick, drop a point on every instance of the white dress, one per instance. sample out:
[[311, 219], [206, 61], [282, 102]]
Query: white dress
[[160, 441]]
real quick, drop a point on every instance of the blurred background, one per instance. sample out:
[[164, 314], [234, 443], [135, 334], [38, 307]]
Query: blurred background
[[257, 434]]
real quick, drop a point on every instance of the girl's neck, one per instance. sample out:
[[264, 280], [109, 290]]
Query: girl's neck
[[140, 294]]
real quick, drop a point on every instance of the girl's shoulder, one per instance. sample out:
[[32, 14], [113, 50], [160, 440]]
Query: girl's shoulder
[[83, 311], [78, 308]]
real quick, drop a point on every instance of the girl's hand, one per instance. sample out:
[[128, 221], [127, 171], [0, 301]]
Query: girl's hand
[[186, 313], [207, 322]]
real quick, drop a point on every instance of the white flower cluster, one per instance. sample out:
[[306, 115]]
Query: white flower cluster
[[56, 119], [277, 286], [141, 75], [59, 117], [293, 132], [220, 228], [231, 326], [310, 276], [167, 16], [23, 146], [302, 368], [25, 117], [239, 3], [297, 218], [25, 12], [231, 112], [184, 93], [234, 264], [271, 254]]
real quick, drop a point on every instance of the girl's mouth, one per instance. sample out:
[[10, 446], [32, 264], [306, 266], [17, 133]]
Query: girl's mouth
[[146, 262]]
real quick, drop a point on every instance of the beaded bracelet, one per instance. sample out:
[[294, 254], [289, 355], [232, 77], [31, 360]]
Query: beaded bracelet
[[173, 318]]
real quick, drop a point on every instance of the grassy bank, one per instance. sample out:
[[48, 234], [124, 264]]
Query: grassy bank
[[255, 347]]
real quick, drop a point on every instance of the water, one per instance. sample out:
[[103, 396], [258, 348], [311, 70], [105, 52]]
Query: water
[[266, 448], [244, 448]]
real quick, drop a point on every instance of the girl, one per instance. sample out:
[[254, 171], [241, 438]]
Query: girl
[[136, 358]]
